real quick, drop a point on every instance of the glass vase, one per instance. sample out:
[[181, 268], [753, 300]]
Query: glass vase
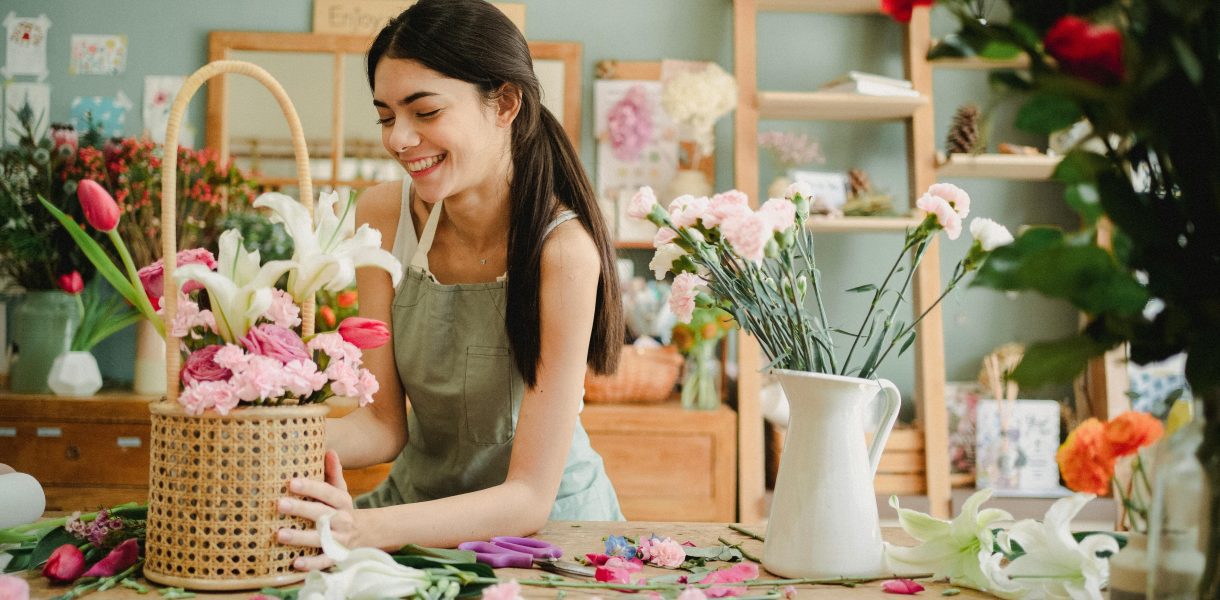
[[1175, 562], [701, 379], [43, 325]]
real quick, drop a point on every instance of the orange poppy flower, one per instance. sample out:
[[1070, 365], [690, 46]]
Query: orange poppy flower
[[1131, 431], [1085, 460]]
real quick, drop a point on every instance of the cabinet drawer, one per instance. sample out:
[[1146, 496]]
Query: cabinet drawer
[[57, 452]]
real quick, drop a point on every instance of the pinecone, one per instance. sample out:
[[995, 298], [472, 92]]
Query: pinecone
[[859, 182], [963, 135]]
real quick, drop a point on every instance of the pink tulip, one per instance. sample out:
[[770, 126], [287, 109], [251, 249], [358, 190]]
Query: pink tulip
[[65, 565], [901, 586], [71, 283], [100, 209], [122, 556], [364, 333]]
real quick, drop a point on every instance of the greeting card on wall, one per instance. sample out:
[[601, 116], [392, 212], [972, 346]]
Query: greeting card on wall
[[98, 55], [26, 46], [19, 96], [159, 92], [108, 113], [637, 145], [1016, 445]]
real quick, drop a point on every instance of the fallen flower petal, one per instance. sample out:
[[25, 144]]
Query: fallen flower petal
[[14, 588], [901, 586], [510, 590]]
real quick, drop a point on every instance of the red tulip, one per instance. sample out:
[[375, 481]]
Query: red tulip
[[100, 208], [900, 10], [364, 333], [71, 283], [65, 565], [122, 556], [1092, 52]]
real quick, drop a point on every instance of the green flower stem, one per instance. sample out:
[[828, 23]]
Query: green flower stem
[[607, 585], [747, 533], [142, 304], [103, 583], [744, 553], [872, 305], [959, 272]]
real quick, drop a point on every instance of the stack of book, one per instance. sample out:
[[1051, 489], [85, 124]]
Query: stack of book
[[868, 84]]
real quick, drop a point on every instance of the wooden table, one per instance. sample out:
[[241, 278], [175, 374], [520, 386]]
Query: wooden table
[[579, 538]]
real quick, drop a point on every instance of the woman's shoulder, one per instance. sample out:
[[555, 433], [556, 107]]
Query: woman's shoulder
[[570, 248], [380, 206]]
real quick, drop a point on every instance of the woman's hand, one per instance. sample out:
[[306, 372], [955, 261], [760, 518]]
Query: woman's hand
[[329, 498]]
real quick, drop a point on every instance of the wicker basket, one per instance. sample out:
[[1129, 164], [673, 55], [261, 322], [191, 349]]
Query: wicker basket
[[214, 480], [645, 375]]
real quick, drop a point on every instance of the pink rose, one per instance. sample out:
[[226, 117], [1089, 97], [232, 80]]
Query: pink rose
[[276, 342], [201, 366], [780, 212], [748, 235], [682, 295], [153, 275], [13, 587], [511, 590], [363, 333], [641, 203]]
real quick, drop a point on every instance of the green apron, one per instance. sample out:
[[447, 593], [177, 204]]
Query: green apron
[[456, 367]]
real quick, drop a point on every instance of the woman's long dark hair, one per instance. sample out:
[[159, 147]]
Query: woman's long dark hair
[[473, 41]]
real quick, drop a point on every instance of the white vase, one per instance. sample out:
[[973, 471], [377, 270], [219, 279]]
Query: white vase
[[823, 521], [688, 181], [74, 373], [150, 360]]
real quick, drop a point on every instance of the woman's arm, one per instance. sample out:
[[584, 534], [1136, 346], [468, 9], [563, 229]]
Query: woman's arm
[[376, 433], [543, 439]]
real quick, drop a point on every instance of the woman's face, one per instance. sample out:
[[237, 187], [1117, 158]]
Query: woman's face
[[441, 130]]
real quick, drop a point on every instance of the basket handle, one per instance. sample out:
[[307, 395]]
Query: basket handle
[[169, 189]]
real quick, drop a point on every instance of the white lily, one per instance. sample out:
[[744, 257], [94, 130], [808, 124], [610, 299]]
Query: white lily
[[1054, 564], [327, 255], [960, 550], [239, 290], [361, 573]]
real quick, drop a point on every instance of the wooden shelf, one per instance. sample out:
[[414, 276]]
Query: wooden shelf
[[831, 106], [862, 224], [981, 64], [633, 245], [998, 166], [846, 7]]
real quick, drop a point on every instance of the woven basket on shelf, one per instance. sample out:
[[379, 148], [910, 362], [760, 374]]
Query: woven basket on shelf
[[645, 375], [214, 480]]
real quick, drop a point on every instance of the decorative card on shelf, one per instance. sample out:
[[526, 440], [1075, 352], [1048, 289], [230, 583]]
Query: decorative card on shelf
[[637, 145], [98, 54], [830, 188], [25, 46], [159, 92], [962, 401], [1016, 445], [109, 113], [18, 95], [1153, 384]]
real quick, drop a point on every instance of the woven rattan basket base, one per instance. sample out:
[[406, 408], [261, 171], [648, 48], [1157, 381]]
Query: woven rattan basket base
[[213, 485]]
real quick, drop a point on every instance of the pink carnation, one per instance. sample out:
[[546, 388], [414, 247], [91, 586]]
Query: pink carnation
[[203, 395], [153, 276], [955, 196], [780, 212], [664, 236], [726, 206], [302, 378], [510, 590], [641, 203], [333, 345], [231, 357], [201, 366], [665, 552], [802, 188], [948, 218], [682, 295], [261, 379], [629, 124], [367, 387], [687, 210], [344, 378], [13, 587], [276, 342], [748, 235], [283, 311], [189, 319]]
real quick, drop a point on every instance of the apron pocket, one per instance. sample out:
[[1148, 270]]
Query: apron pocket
[[488, 394]]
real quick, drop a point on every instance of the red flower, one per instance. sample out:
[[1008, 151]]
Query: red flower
[[364, 333], [901, 9], [1092, 52], [901, 586], [152, 276], [328, 316], [65, 565], [101, 211], [1131, 431], [124, 555], [71, 283], [346, 299]]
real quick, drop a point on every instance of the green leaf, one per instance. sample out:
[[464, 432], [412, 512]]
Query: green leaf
[[1081, 166], [1085, 200], [1046, 113], [868, 287], [1056, 361], [1000, 50], [440, 555], [1187, 58], [20, 560], [907, 344], [1009, 80], [96, 255], [951, 46]]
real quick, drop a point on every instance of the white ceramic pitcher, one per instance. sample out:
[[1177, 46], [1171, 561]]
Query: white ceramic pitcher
[[823, 521]]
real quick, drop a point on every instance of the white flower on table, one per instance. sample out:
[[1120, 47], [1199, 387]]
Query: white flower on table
[[360, 574], [1054, 564]]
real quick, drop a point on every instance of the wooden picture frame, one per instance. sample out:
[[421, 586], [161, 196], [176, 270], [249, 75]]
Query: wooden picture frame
[[559, 62]]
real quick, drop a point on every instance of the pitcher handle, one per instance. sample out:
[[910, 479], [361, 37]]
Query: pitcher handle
[[892, 401]]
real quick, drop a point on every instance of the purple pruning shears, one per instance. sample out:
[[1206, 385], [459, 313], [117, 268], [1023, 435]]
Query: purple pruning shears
[[522, 553]]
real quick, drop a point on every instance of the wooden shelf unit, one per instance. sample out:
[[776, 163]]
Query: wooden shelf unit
[[998, 166], [862, 224], [931, 428]]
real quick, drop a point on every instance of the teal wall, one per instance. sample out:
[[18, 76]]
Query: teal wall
[[796, 52]]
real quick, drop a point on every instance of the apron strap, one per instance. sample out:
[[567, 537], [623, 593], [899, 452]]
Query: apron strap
[[420, 259]]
